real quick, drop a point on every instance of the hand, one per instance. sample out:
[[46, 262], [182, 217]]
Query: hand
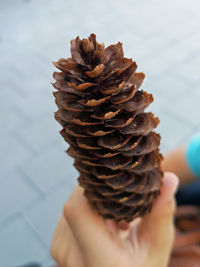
[[85, 239]]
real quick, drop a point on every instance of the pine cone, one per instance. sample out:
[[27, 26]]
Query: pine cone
[[102, 114]]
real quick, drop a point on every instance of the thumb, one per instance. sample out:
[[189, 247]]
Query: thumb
[[156, 228]]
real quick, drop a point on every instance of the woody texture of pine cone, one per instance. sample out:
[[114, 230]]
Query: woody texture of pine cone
[[111, 138]]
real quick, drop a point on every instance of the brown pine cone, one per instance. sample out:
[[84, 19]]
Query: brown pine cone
[[111, 138]]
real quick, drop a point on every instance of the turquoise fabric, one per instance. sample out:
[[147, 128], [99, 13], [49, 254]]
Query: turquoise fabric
[[193, 155]]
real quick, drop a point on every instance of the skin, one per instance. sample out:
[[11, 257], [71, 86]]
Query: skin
[[85, 239], [175, 162]]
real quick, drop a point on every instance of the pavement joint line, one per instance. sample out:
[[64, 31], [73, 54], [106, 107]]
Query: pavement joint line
[[33, 185], [33, 204], [23, 141], [9, 219], [34, 230]]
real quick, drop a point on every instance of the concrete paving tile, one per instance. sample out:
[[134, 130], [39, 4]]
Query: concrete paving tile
[[173, 131], [9, 94], [19, 244], [44, 216], [11, 120], [49, 167], [197, 91], [41, 132], [171, 87], [163, 38], [34, 106], [17, 193], [151, 86], [187, 108], [12, 152], [189, 69]]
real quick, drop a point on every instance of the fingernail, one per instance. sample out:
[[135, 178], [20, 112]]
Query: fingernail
[[172, 182], [123, 225]]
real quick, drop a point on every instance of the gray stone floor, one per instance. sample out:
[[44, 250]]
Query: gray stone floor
[[36, 176]]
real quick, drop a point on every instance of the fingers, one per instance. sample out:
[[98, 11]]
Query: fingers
[[88, 227], [91, 232], [156, 228], [115, 227], [64, 249]]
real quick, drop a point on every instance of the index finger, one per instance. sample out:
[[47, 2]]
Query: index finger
[[88, 227]]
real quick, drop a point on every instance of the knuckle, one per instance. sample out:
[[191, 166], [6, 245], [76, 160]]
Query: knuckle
[[70, 212]]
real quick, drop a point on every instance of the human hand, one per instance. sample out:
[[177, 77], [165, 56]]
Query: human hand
[[84, 239]]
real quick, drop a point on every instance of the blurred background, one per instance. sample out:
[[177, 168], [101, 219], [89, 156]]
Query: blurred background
[[36, 176]]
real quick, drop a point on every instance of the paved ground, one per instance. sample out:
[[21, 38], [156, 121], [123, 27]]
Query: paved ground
[[36, 176]]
